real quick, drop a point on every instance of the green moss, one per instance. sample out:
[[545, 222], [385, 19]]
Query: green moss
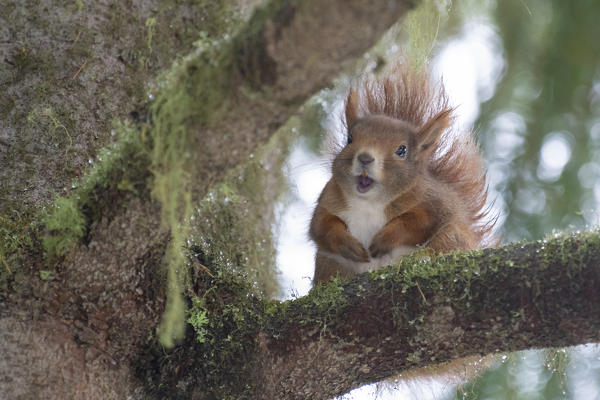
[[150, 28], [194, 93], [326, 300], [198, 319], [122, 165], [460, 276], [67, 224], [234, 222], [52, 122], [234, 234], [47, 275], [172, 326], [227, 330], [422, 26], [226, 321], [194, 90], [57, 126]]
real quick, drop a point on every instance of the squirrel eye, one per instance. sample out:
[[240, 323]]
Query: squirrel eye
[[401, 152], [349, 138]]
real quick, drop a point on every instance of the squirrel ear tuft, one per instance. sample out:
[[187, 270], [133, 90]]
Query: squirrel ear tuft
[[351, 109], [430, 133]]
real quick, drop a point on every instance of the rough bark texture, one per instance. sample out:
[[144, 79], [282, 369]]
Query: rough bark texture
[[375, 325], [68, 69]]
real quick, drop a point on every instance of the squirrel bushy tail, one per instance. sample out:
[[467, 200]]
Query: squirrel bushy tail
[[411, 96]]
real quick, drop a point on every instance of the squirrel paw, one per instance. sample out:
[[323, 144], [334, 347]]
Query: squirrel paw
[[354, 250], [378, 249]]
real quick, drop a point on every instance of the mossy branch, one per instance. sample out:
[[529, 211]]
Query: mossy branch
[[426, 311]]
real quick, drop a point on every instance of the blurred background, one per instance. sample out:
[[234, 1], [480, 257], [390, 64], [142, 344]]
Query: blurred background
[[525, 77]]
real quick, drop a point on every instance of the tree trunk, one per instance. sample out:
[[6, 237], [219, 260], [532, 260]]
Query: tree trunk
[[74, 320]]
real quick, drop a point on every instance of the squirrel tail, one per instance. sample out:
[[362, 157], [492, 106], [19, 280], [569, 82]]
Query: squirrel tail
[[461, 166]]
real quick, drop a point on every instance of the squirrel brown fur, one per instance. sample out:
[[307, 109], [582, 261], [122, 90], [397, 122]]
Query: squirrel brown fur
[[401, 180]]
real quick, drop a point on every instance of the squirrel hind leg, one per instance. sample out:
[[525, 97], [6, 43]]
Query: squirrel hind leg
[[453, 238], [327, 268]]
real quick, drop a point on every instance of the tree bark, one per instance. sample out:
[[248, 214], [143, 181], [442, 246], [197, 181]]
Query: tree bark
[[92, 311], [426, 311]]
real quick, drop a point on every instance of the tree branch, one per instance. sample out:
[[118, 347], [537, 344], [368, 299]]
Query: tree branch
[[427, 311]]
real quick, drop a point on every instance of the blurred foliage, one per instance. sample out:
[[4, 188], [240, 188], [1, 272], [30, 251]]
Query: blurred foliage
[[548, 92], [538, 374], [550, 88]]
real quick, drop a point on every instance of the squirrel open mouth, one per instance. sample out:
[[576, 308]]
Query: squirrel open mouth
[[364, 183]]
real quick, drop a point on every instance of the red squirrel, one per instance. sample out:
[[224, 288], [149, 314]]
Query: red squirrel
[[399, 181]]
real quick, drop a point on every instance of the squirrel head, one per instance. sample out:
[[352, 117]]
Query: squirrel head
[[384, 156], [394, 126]]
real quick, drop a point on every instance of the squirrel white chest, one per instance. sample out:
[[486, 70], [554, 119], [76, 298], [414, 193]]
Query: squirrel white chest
[[364, 218]]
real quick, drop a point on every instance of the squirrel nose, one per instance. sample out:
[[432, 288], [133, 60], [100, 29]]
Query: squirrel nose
[[365, 158]]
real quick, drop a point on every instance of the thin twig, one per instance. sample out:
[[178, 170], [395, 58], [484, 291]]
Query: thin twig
[[79, 70], [5, 264], [204, 268], [57, 124], [420, 291], [527, 8], [76, 39]]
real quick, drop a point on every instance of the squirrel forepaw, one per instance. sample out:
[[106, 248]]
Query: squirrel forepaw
[[378, 249], [354, 250]]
